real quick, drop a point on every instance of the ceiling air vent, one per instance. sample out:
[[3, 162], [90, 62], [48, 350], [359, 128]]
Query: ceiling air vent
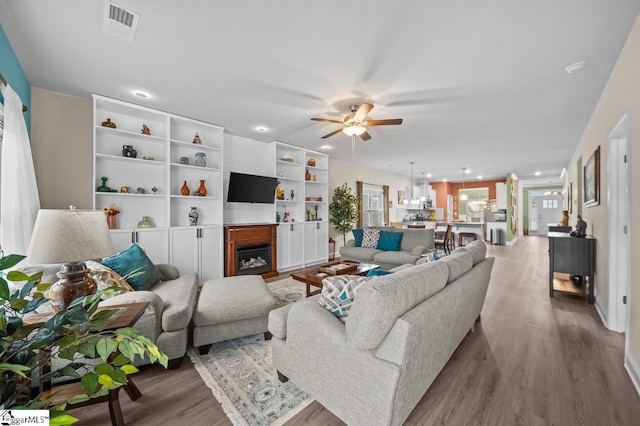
[[119, 21]]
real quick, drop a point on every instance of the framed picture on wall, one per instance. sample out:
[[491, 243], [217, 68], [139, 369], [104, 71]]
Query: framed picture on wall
[[401, 197], [570, 198], [592, 180]]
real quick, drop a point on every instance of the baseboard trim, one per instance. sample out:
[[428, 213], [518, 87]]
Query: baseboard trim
[[600, 310], [631, 365], [512, 242]]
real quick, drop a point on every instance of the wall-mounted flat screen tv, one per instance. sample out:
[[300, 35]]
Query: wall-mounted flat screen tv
[[245, 188]]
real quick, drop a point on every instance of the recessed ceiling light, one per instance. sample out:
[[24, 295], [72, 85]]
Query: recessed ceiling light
[[467, 171], [261, 129], [325, 147], [444, 180], [537, 173], [575, 67], [479, 177], [141, 94], [428, 174]]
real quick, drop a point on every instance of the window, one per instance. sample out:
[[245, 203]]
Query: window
[[549, 204], [372, 206]]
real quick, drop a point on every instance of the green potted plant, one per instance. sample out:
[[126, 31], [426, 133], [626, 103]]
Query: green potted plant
[[76, 334], [344, 210]]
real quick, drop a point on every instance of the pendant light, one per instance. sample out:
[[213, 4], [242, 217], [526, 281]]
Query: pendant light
[[463, 196]]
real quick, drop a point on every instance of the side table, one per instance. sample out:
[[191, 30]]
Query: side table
[[126, 316]]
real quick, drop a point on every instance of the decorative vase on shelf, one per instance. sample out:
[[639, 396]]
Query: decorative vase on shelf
[[202, 190], [185, 189], [307, 175], [293, 194], [197, 140], [129, 151], [193, 216], [145, 222], [111, 221], [201, 159]]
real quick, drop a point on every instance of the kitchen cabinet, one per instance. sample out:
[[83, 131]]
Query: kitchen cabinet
[[154, 242], [197, 249], [501, 196]]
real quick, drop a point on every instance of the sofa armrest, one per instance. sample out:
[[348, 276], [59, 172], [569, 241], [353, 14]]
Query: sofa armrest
[[310, 325], [278, 318], [168, 272], [149, 324], [351, 243], [418, 250]]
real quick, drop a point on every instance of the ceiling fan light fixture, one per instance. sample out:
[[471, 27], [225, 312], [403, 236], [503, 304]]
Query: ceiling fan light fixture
[[354, 130]]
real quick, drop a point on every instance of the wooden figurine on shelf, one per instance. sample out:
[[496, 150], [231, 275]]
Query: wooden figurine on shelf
[[293, 194], [146, 130], [279, 191]]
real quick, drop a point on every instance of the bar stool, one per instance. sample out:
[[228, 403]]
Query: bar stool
[[442, 239], [462, 236]]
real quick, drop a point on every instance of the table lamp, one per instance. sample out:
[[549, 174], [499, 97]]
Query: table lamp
[[69, 237]]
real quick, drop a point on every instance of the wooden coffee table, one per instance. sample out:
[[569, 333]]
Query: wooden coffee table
[[313, 276]]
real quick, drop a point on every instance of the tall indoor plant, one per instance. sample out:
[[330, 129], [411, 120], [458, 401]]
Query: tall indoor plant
[[344, 210], [75, 334]]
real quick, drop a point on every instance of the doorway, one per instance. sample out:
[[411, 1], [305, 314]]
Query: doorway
[[618, 227], [543, 210]]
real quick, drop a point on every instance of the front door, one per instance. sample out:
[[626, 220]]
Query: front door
[[549, 211]]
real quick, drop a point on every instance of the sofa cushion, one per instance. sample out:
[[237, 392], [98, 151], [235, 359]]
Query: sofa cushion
[[370, 238], [478, 250], [395, 257], [106, 277], [389, 241], [361, 253], [416, 237], [459, 263], [357, 236], [386, 298], [135, 265], [338, 293]]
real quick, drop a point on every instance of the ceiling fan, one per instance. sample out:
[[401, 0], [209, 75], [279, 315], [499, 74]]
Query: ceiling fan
[[356, 123]]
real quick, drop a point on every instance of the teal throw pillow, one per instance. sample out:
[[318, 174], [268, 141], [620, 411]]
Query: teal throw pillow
[[390, 241], [136, 267], [357, 235], [378, 272]]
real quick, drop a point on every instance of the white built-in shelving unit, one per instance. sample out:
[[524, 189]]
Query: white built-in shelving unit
[[303, 239], [171, 239]]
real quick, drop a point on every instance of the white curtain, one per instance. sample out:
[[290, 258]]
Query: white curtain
[[18, 188]]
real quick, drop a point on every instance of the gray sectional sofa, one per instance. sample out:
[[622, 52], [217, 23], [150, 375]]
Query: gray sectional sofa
[[401, 331], [414, 243]]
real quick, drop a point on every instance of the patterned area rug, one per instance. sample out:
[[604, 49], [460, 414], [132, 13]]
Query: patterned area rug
[[241, 375]]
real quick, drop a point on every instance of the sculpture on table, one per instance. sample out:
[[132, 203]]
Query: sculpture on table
[[565, 218], [581, 228]]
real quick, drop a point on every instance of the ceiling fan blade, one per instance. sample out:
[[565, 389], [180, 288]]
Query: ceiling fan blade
[[326, 120], [389, 122], [365, 136], [332, 133], [362, 112]]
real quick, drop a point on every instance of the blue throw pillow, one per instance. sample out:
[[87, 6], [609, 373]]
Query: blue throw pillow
[[357, 235], [390, 241], [378, 272], [136, 267]]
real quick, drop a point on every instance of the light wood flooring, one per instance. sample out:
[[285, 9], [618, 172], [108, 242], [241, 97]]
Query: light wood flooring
[[533, 360]]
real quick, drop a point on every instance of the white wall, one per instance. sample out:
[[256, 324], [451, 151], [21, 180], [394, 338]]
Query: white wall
[[244, 155]]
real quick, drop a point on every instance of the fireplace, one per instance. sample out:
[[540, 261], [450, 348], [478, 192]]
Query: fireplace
[[253, 260], [250, 250]]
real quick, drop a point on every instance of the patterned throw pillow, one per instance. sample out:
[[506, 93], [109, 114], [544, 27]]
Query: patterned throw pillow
[[106, 277], [370, 238], [338, 293]]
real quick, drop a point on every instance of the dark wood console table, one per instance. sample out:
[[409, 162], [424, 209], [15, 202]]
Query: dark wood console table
[[571, 255]]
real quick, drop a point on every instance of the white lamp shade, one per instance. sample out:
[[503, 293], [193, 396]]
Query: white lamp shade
[[64, 236], [354, 129]]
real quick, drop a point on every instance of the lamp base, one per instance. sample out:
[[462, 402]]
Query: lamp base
[[74, 283]]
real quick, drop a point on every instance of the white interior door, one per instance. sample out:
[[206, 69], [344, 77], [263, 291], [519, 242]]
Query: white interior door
[[533, 216], [618, 230], [549, 211]]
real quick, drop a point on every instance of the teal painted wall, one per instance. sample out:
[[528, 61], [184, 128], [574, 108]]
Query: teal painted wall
[[13, 73]]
